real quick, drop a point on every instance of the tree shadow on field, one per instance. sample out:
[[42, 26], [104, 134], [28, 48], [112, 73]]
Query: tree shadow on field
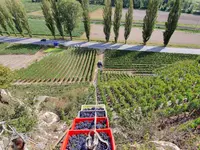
[[126, 51], [78, 44], [115, 46], [135, 48], [155, 49], [148, 51], [143, 54], [105, 46], [98, 46]]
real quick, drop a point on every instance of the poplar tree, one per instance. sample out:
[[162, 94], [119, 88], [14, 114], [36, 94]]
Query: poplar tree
[[117, 18], [128, 21], [150, 19], [1, 33], [19, 16], [16, 18], [172, 21], [3, 23], [57, 17], [107, 19], [23, 16], [46, 9], [71, 14], [8, 18], [86, 18]]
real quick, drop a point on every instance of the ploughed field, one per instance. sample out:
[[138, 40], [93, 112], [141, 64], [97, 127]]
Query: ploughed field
[[141, 62], [61, 66]]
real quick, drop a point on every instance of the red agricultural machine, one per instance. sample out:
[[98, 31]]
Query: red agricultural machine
[[90, 130]]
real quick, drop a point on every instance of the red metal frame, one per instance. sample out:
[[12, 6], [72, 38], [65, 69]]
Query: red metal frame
[[75, 132], [78, 120]]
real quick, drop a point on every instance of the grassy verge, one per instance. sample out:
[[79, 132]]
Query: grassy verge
[[7, 48]]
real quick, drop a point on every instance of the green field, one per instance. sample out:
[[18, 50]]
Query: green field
[[141, 61], [69, 65], [38, 28], [7, 48]]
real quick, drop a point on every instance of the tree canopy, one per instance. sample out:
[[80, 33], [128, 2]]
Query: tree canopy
[[6, 77], [71, 14]]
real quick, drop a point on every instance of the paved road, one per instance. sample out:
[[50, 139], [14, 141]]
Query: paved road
[[102, 46]]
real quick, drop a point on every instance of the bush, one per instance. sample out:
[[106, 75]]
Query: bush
[[17, 116], [24, 123], [6, 77]]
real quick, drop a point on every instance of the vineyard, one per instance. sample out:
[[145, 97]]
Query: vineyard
[[172, 91], [67, 66], [106, 76], [142, 62]]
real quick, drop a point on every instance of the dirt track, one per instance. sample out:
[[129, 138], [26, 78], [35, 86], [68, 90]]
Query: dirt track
[[136, 36], [162, 16], [16, 62]]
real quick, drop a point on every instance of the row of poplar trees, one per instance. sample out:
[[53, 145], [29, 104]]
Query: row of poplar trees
[[148, 22], [13, 18], [66, 14]]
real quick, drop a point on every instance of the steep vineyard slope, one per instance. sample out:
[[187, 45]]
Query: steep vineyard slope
[[137, 105], [67, 66]]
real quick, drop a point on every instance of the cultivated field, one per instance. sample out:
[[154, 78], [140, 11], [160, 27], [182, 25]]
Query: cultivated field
[[162, 16], [172, 90], [178, 37], [141, 62], [152, 93], [67, 66]]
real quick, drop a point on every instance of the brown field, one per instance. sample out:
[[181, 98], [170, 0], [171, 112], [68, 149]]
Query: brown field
[[178, 37], [162, 16], [15, 62]]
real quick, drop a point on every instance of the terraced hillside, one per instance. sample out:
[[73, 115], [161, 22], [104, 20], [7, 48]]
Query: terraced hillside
[[67, 66], [141, 62]]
